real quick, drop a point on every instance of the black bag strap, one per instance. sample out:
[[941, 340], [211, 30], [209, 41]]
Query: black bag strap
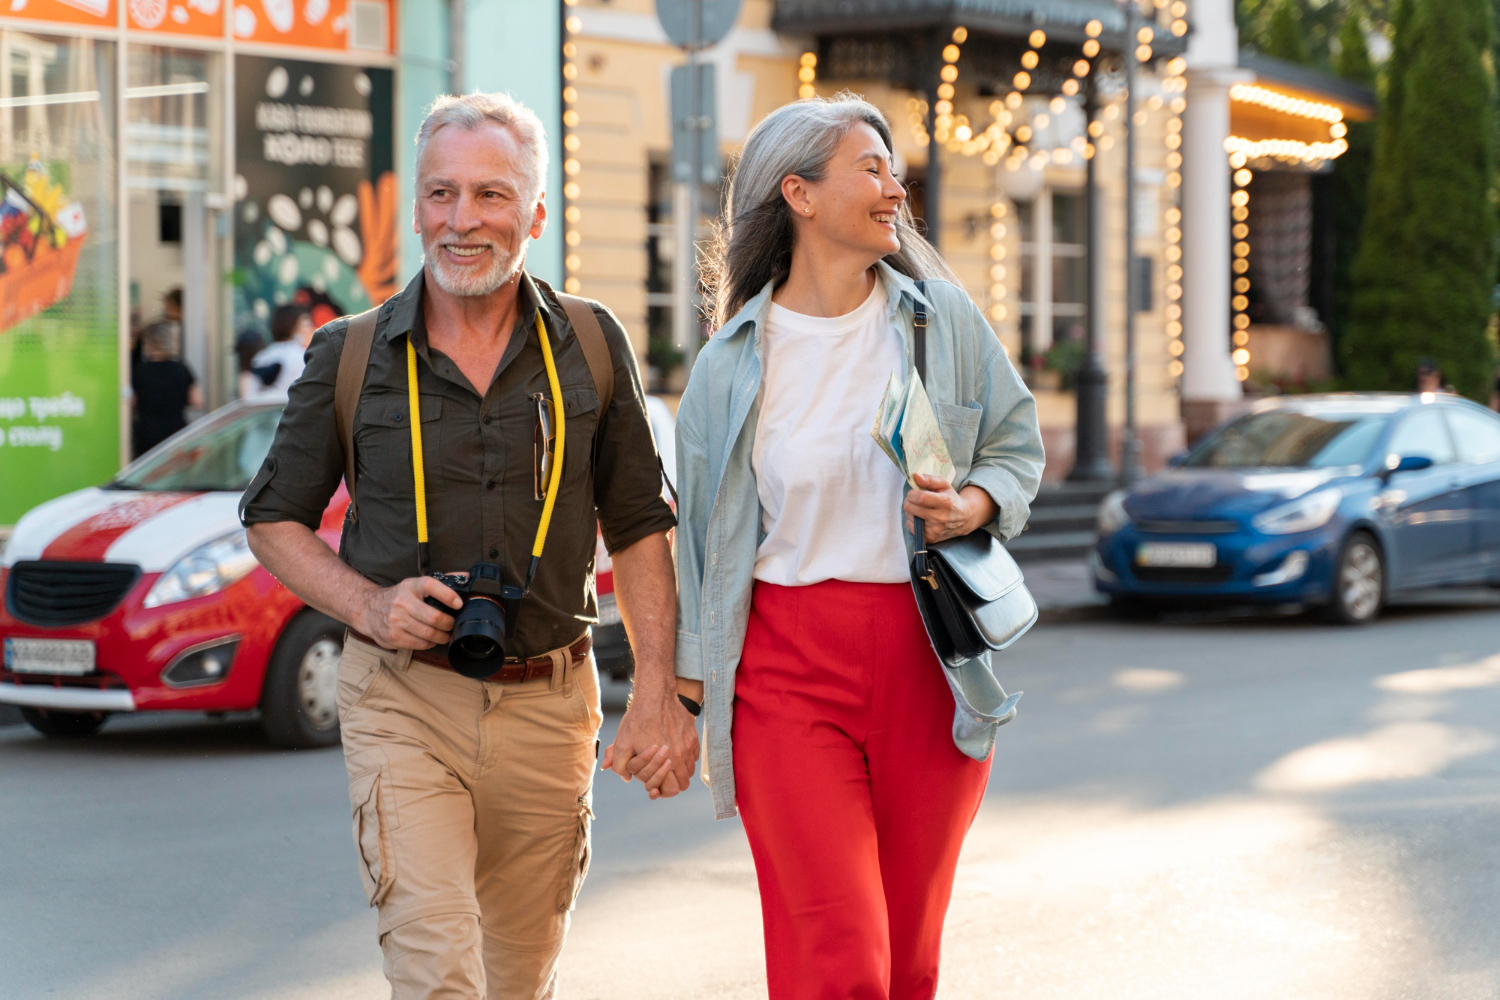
[[919, 334], [354, 361]]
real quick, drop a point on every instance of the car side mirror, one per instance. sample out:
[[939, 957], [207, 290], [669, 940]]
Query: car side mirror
[[1177, 459], [1406, 463]]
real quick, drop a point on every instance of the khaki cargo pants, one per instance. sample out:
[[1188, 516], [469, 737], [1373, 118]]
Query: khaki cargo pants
[[471, 806]]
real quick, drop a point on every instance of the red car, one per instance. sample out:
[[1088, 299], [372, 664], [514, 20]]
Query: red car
[[143, 595]]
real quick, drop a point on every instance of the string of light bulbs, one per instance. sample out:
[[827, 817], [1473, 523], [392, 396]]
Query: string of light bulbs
[[572, 213]]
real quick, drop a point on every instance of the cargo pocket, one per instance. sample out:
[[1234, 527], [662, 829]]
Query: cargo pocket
[[578, 858], [372, 837]]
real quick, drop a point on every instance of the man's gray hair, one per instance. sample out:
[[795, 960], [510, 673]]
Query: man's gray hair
[[469, 111]]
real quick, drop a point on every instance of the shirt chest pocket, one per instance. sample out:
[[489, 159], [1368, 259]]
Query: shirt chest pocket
[[960, 427], [581, 405], [382, 444]]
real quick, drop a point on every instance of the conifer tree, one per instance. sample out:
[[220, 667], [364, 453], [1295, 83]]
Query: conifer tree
[[1426, 265], [1284, 37], [1351, 174]]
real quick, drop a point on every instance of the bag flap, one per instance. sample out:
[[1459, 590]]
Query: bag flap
[[981, 562]]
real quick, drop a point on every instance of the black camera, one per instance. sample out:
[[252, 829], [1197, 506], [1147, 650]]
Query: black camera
[[477, 646]]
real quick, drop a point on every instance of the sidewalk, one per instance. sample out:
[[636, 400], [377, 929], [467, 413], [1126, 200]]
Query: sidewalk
[[1063, 588]]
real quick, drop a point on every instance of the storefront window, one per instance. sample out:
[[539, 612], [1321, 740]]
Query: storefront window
[[174, 141], [59, 292]]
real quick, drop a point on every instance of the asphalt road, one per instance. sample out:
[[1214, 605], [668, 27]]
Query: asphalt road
[[1198, 807]]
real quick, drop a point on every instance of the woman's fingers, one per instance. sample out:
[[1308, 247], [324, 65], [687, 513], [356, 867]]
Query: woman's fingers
[[642, 763], [649, 765]]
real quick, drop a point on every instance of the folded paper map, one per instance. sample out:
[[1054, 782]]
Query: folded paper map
[[906, 429]]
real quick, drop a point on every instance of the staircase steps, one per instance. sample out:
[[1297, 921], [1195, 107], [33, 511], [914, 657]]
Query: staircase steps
[[1062, 522]]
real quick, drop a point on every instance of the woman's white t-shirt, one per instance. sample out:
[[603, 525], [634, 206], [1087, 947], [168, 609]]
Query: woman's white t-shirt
[[831, 499]]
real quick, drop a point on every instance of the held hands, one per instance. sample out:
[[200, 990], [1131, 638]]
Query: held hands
[[947, 513], [657, 741], [399, 617]]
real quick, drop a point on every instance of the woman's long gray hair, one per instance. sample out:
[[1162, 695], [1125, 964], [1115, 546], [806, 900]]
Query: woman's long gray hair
[[754, 245]]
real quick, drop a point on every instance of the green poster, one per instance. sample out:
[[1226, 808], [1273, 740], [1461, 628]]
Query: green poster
[[59, 308]]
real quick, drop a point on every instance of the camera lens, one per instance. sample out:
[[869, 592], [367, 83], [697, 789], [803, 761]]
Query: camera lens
[[477, 648]]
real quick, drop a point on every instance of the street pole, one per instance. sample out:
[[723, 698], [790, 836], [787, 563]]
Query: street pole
[[685, 207], [1130, 444], [1091, 443], [932, 181], [456, 46]]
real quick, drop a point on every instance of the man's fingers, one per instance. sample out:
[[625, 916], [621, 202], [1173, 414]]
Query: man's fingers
[[670, 786], [653, 783], [426, 587]]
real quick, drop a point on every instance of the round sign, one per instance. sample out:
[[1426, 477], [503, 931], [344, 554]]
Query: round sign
[[677, 17]]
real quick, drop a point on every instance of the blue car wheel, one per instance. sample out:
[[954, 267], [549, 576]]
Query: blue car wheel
[[1358, 591]]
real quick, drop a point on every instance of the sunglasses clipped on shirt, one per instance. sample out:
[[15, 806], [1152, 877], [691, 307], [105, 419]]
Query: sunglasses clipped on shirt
[[543, 441]]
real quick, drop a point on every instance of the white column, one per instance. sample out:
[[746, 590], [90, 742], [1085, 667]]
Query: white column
[[1213, 67], [1041, 272]]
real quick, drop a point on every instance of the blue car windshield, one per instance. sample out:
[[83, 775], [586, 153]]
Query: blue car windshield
[[1291, 439], [218, 453]]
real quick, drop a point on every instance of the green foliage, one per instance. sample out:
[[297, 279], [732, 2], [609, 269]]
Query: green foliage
[[1351, 179], [1283, 36], [1425, 270], [1353, 62], [1319, 21]]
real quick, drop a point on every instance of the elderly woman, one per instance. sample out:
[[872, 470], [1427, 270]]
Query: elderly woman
[[856, 759]]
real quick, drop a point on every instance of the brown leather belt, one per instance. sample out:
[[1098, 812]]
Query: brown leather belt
[[517, 670]]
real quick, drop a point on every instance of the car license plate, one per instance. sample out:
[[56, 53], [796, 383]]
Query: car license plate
[[1185, 555], [49, 656]]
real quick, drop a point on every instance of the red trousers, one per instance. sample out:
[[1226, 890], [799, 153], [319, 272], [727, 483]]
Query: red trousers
[[854, 798]]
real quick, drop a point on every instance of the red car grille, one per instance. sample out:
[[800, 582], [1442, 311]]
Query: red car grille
[[45, 592]]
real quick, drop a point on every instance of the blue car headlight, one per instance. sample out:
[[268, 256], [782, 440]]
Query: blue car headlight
[[1303, 514], [208, 569], [1112, 515]]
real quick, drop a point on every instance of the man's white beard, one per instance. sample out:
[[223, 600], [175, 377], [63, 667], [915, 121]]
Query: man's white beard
[[465, 283]]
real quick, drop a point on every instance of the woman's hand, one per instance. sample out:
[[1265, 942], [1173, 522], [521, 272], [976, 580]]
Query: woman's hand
[[948, 513]]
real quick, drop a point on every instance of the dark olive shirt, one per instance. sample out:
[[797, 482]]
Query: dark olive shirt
[[478, 453]]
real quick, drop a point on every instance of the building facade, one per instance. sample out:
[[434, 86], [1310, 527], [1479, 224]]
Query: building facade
[[1003, 117]]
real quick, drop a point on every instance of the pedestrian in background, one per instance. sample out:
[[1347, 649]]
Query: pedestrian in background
[[471, 794], [829, 721], [162, 388], [1430, 377], [277, 365], [247, 345]]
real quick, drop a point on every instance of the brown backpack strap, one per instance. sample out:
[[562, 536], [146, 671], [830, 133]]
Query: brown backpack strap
[[353, 363], [595, 349]]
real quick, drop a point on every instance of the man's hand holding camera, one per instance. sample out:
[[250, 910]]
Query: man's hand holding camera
[[399, 617]]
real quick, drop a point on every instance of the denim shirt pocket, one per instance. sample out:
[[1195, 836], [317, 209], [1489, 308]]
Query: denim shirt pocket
[[960, 427]]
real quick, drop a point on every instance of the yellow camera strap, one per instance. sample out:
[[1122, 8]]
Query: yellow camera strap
[[419, 476]]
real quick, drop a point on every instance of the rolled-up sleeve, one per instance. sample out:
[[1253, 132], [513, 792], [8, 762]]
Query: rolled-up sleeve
[[306, 462], [1008, 455], [627, 469], [692, 519]]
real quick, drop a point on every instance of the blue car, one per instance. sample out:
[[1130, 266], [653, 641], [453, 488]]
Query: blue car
[[1340, 501]]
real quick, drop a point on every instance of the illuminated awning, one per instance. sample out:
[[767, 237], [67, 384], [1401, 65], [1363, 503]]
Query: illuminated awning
[[1292, 116]]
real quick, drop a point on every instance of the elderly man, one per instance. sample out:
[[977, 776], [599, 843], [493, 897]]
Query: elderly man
[[486, 410]]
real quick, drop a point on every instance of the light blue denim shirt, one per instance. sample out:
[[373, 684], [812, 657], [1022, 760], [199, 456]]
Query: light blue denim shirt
[[988, 419]]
